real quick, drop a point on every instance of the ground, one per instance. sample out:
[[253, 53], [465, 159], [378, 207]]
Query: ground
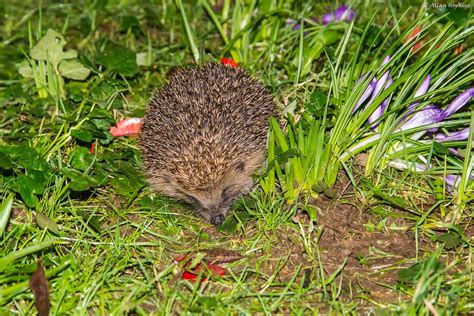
[[81, 231]]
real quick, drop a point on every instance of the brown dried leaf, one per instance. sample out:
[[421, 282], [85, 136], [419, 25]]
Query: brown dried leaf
[[219, 256], [39, 287]]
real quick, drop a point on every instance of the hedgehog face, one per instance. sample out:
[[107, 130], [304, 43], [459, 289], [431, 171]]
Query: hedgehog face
[[214, 202]]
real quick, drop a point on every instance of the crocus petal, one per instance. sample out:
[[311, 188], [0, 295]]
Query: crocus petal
[[457, 103], [127, 127], [404, 165], [459, 135], [452, 180], [378, 87], [422, 89], [375, 116], [428, 115], [366, 94], [344, 13], [328, 18], [380, 84], [385, 60]]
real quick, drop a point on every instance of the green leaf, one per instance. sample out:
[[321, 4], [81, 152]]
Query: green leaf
[[73, 69], [317, 104], [102, 124], [451, 239], [130, 22], [39, 181], [45, 222], [50, 47], [82, 134], [81, 159], [122, 186], [25, 69], [118, 58], [25, 157], [411, 274], [79, 180], [231, 224], [25, 185], [330, 37], [5, 162], [440, 148]]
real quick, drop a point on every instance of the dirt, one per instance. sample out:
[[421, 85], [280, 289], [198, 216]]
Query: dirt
[[372, 258]]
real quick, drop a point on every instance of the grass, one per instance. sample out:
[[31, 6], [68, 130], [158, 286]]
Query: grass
[[330, 227]]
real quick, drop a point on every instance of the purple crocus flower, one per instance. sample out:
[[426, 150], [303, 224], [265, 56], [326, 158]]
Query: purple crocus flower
[[422, 89], [367, 93], [374, 87], [343, 13], [425, 116], [459, 135], [373, 118], [457, 103], [452, 181], [431, 114], [296, 26]]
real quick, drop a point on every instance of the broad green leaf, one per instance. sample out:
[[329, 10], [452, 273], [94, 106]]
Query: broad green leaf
[[5, 162], [79, 180], [25, 69], [26, 157], [82, 134], [45, 222], [73, 69], [411, 274], [25, 185], [451, 239], [81, 159], [231, 225], [118, 58], [50, 48]]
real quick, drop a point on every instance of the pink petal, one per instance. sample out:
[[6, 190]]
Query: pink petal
[[127, 127]]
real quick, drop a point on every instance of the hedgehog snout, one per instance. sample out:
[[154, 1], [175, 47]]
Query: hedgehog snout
[[217, 220]]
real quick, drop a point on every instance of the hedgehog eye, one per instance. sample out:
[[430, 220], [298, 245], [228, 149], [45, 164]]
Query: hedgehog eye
[[240, 166], [226, 193], [191, 199]]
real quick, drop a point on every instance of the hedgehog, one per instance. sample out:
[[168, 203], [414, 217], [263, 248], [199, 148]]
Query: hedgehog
[[204, 136]]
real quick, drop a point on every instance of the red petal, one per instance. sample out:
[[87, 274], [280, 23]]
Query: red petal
[[180, 258], [127, 127], [417, 46], [189, 276], [217, 270], [214, 269], [91, 148], [417, 30], [458, 50], [230, 62]]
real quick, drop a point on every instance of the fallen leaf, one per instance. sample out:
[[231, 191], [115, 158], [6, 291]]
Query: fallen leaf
[[39, 287], [219, 256]]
